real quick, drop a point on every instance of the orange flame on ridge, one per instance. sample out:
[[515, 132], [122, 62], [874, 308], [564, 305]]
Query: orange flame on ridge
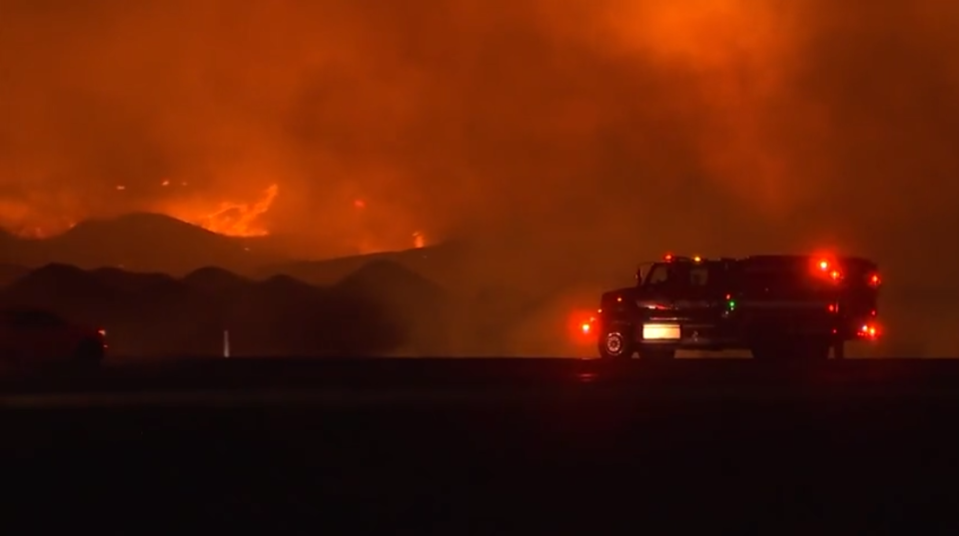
[[233, 218]]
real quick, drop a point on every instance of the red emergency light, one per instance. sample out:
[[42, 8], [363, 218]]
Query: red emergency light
[[583, 326], [869, 331], [828, 269]]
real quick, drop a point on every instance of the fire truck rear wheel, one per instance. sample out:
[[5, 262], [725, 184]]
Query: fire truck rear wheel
[[615, 344]]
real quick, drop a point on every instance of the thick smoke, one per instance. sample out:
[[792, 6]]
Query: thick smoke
[[614, 128]]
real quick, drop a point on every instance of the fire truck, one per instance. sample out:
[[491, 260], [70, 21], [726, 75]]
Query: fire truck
[[777, 307]]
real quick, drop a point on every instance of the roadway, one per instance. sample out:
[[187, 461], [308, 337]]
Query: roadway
[[474, 445], [482, 381]]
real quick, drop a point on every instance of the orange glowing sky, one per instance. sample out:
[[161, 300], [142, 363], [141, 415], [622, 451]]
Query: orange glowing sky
[[734, 124]]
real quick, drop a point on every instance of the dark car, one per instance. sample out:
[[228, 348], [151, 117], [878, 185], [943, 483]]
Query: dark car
[[35, 337], [776, 306]]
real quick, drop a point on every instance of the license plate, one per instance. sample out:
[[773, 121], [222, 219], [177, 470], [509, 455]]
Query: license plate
[[662, 332]]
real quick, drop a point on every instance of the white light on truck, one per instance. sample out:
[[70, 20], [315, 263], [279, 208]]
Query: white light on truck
[[661, 332]]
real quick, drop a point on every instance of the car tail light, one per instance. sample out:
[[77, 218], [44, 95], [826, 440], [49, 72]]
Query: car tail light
[[875, 280], [103, 337]]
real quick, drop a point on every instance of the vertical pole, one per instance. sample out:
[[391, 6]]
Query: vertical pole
[[226, 343]]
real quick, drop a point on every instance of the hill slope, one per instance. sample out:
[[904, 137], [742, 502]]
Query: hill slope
[[141, 242], [154, 314]]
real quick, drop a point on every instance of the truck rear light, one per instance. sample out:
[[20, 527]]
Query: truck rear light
[[869, 331], [827, 269]]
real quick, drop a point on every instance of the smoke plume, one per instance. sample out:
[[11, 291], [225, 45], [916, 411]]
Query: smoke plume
[[546, 130]]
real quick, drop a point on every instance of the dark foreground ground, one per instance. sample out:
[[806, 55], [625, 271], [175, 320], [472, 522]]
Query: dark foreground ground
[[492, 446]]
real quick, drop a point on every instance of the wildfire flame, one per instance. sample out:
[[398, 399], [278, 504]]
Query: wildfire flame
[[233, 218], [23, 220], [230, 218]]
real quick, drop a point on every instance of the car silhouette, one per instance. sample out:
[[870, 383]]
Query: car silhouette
[[35, 337]]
